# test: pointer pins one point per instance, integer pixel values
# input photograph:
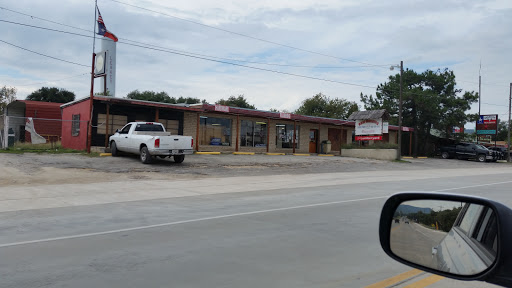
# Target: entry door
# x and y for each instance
(313, 139)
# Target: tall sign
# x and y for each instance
(109, 46)
(487, 125)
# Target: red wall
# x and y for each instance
(49, 129)
(75, 142)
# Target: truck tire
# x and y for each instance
(445, 155)
(113, 149)
(179, 158)
(145, 157)
(480, 158)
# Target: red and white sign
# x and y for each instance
(221, 108)
(369, 127)
(406, 129)
(364, 138)
(489, 119)
(285, 115)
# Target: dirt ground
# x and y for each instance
(41, 169)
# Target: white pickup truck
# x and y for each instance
(149, 139)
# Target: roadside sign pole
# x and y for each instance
(509, 106)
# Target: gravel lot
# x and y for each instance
(33, 169)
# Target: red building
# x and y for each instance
(46, 117)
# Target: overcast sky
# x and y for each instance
(350, 34)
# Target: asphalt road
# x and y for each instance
(315, 236)
(414, 243)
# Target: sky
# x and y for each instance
(351, 45)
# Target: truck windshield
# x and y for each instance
(149, 127)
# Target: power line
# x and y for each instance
(248, 36)
(186, 55)
(250, 67)
(221, 58)
(41, 54)
(56, 80)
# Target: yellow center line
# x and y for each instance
(395, 279)
(425, 281)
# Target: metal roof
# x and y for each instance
(370, 114)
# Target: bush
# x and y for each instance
(377, 145)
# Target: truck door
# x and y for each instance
(122, 140)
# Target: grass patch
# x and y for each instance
(46, 148)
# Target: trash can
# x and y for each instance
(325, 147)
(10, 138)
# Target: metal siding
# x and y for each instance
(75, 142)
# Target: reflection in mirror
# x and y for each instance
(455, 237)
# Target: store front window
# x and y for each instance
(215, 131)
(253, 134)
(284, 136)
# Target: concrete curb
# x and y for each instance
(207, 153)
(325, 155)
(298, 154)
(275, 154)
(105, 154)
(243, 153)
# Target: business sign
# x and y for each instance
(385, 127)
(484, 138)
(364, 138)
(285, 115)
(369, 127)
(221, 108)
(487, 124)
(456, 130)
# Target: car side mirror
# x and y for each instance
(457, 236)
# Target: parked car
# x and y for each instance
(468, 151)
(501, 152)
(149, 139)
(397, 220)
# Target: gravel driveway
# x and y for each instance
(30, 169)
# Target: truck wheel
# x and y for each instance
(145, 157)
(179, 158)
(481, 158)
(445, 155)
(113, 149)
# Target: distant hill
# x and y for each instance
(408, 209)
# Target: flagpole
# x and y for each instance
(89, 123)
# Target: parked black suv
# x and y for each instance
(501, 152)
(468, 151)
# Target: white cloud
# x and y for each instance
(425, 34)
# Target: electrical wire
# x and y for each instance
(182, 54)
(248, 36)
(56, 80)
(41, 54)
(221, 58)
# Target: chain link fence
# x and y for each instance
(33, 134)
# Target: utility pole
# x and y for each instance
(399, 152)
(509, 106)
(479, 96)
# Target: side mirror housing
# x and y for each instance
(456, 236)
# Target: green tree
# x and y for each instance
(233, 101)
(52, 94)
(430, 100)
(323, 106)
(7, 95)
(160, 97)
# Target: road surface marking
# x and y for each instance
(185, 222)
(425, 282)
(396, 279)
(481, 185)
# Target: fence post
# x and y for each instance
(6, 131)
